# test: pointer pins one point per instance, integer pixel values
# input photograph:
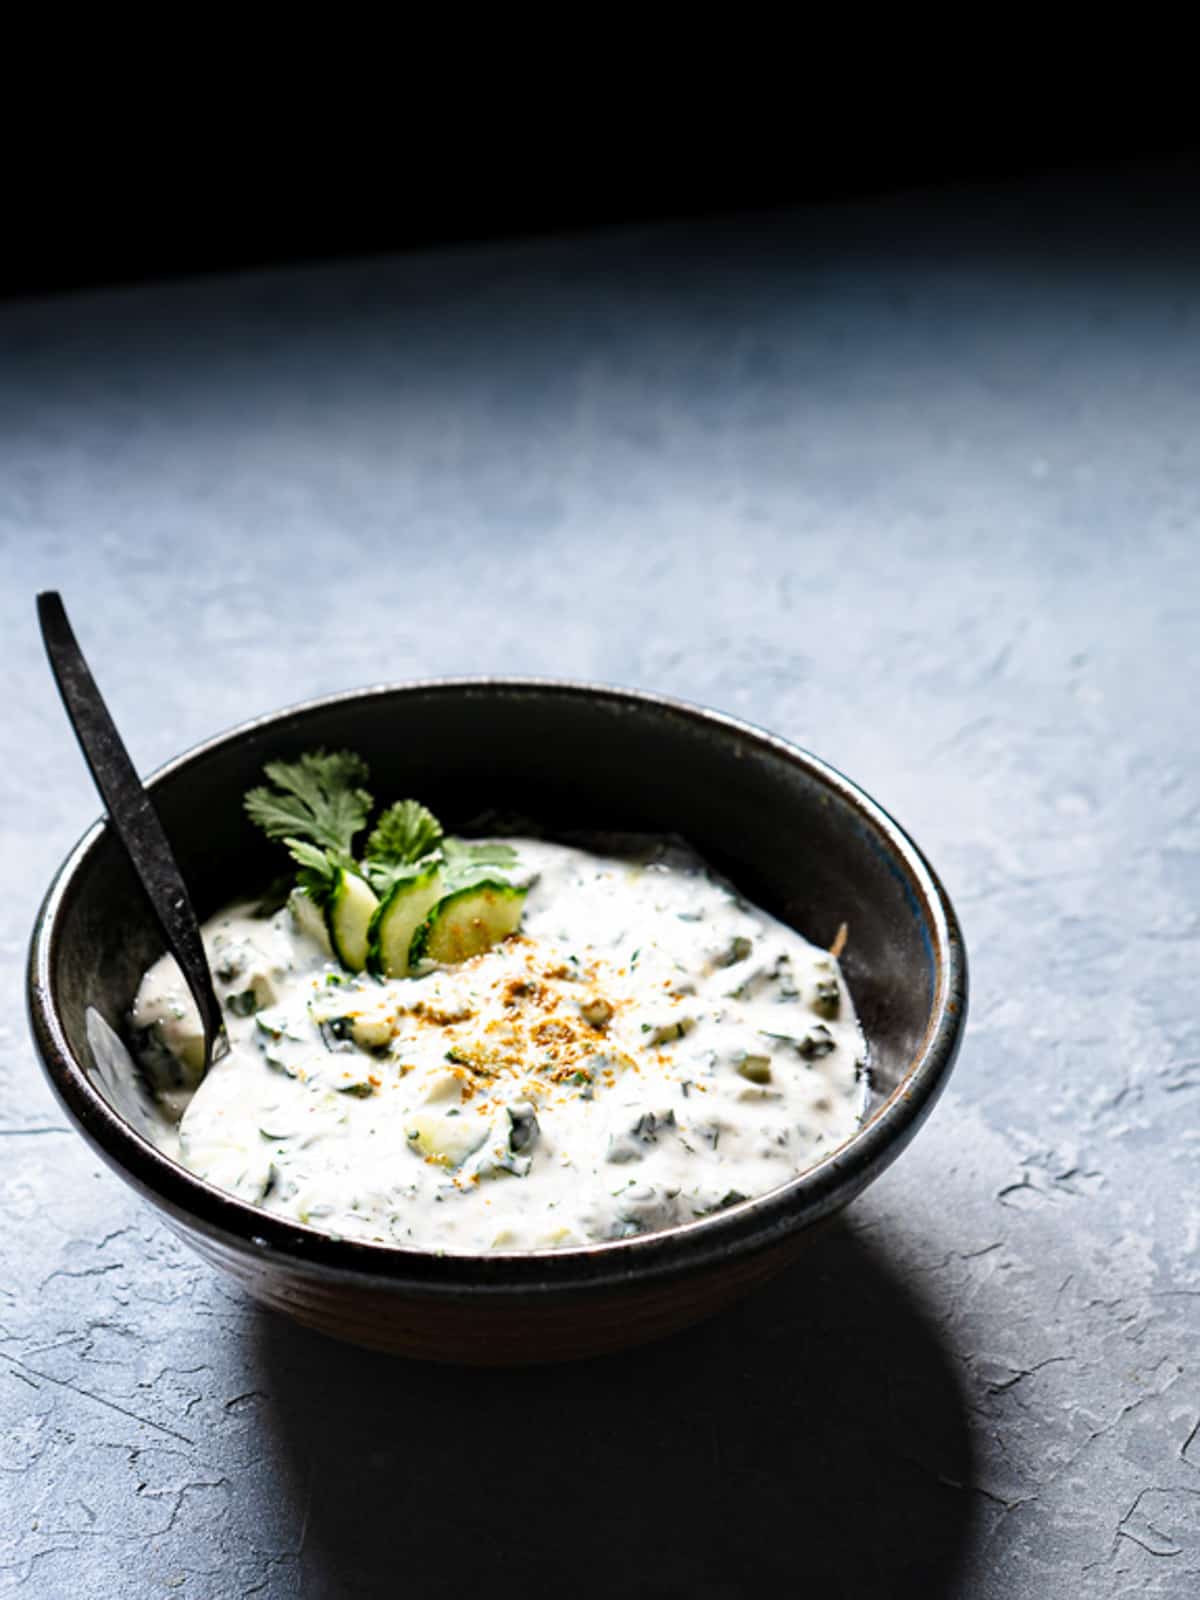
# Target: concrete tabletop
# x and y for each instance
(915, 483)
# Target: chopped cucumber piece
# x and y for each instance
(464, 923)
(401, 912)
(755, 1069)
(348, 916)
(446, 1141)
(372, 1032)
(827, 1000)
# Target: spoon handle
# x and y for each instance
(131, 813)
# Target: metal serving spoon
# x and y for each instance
(132, 815)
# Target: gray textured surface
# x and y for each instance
(917, 485)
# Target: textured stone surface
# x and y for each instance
(917, 485)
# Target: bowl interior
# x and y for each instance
(792, 835)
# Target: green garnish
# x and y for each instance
(402, 838)
(316, 808)
(318, 870)
(318, 798)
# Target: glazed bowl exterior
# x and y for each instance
(793, 834)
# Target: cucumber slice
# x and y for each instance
(348, 916)
(464, 923)
(400, 914)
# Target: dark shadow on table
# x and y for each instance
(811, 1441)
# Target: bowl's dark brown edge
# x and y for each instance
(680, 1252)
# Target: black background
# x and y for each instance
(111, 207)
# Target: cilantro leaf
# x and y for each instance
(402, 845)
(404, 834)
(316, 799)
(318, 870)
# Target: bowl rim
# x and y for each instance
(743, 1229)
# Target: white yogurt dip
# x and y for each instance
(648, 1049)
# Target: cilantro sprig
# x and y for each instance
(316, 807)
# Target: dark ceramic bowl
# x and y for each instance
(793, 834)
